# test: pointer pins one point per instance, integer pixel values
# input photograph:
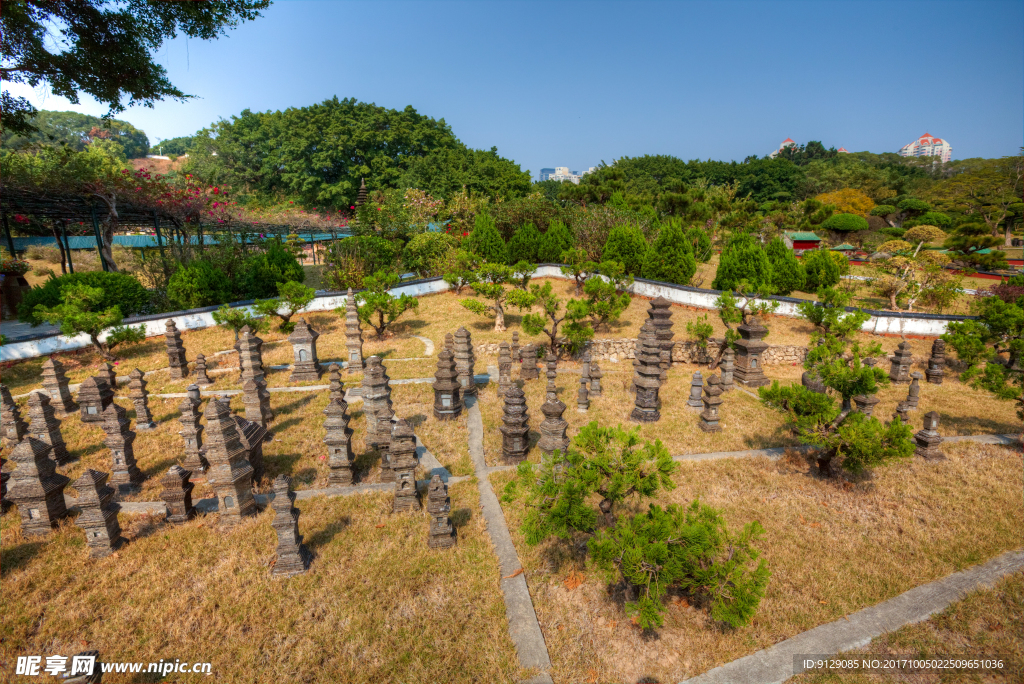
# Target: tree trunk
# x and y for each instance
(825, 465)
(60, 246)
(499, 316)
(102, 348)
(606, 512)
(1008, 238)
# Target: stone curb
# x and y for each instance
(777, 663)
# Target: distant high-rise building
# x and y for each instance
(562, 173)
(928, 146)
(545, 174)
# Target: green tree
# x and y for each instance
(628, 246)
(464, 271)
(275, 264)
(552, 316)
(845, 223)
(987, 189)
(787, 272)
(77, 131)
(578, 267)
(234, 319)
(733, 309)
(79, 313)
(491, 281)
(606, 295)
(820, 269)
(119, 289)
(292, 298)
(198, 284)
(103, 49)
(556, 240)
(447, 171)
(178, 146)
(485, 240)
(425, 252)
(670, 257)
(829, 313)
(524, 245)
(743, 260)
(972, 245)
(376, 301)
(700, 243)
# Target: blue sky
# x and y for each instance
(558, 83)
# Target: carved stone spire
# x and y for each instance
(14, 428)
(293, 557)
(442, 533)
(175, 351)
(56, 383)
(448, 402)
(553, 428)
(339, 443)
(94, 396)
(305, 365)
(202, 379)
(403, 463)
(36, 487)
(353, 335)
(515, 429)
(230, 474)
(464, 361)
(192, 432)
(99, 514)
(140, 397)
(177, 494)
(44, 426)
(126, 475)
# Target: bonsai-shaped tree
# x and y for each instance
(377, 302)
(293, 298)
(733, 309)
(971, 244)
(910, 274)
(552, 315)
(491, 284)
(236, 319)
(606, 295)
(77, 315)
(992, 346)
(522, 272)
(578, 267)
(829, 315)
(464, 273)
(689, 548)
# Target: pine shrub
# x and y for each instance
(743, 260)
(821, 269)
(556, 239)
(787, 273)
(485, 240)
(524, 245)
(670, 258)
(626, 245)
(198, 284)
(122, 290)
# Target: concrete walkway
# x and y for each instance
(780, 662)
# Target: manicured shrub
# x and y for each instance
(787, 272)
(845, 223)
(820, 268)
(198, 284)
(884, 210)
(556, 239)
(914, 206)
(425, 251)
(119, 289)
(486, 241)
(262, 272)
(670, 258)
(700, 242)
(743, 259)
(626, 245)
(841, 261)
(930, 218)
(524, 245)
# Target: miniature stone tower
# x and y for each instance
(504, 368)
(56, 383)
(252, 435)
(899, 371)
(660, 313)
(553, 428)
(306, 365)
(14, 428)
(230, 473)
(202, 379)
(256, 398)
(442, 533)
(140, 397)
(378, 411)
(36, 487)
(177, 494)
(464, 360)
(749, 349)
(515, 431)
(929, 440)
(94, 396)
(293, 558)
(914, 391)
(353, 335)
(44, 426)
(339, 443)
(175, 351)
(728, 367)
(250, 356)
(709, 418)
(648, 383)
(447, 390)
(516, 357)
(99, 514)
(696, 386)
(937, 362)
(106, 374)
(403, 463)
(529, 369)
(192, 432)
(595, 380)
(126, 476)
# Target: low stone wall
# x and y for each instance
(682, 352)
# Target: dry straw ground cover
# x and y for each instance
(833, 547)
(376, 605)
(986, 623)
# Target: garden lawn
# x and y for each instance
(833, 547)
(376, 605)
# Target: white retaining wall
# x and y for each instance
(908, 324)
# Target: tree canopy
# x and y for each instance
(77, 131)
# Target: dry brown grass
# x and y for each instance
(986, 623)
(377, 604)
(832, 548)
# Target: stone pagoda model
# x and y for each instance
(14, 428)
(914, 391)
(339, 443)
(515, 430)
(4, 477)
(99, 514)
(230, 474)
(504, 368)
(36, 487)
(647, 334)
(94, 396)
(929, 440)
(749, 349)
(403, 464)
(192, 432)
(583, 396)
(529, 370)
(44, 426)
(727, 367)
(696, 387)
(336, 388)
(56, 384)
(252, 435)
(937, 363)
(250, 356)
(175, 351)
(660, 313)
(596, 374)
(353, 335)
(379, 412)
(709, 418)
(447, 390)
(648, 383)
(202, 379)
(553, 428)
(177, 494)
(899, 371)
(140, 397)
(126, 475)
(107, 375)
(449, 343)
(306, 365)
(442, 533)
(464, 362)
(293, 558)
(516, 357)
(585, 362)
(256, 398)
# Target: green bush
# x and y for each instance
(914, 206)
(485, 240)
(930, 218)
(426, 250)
(262, 272)
(626, 245)
(556, 239)
(119, 289)
(845, 223)
(670, 258)
(700, 241)
(743, 260)
(787, 272)
(198, 284)
(524, 245)
(821, 269)
(883, 210)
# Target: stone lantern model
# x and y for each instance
(447, 390)
(749, 349)
(515, 431)
(94, 396)
(306, 365)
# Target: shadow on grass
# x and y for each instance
(291, 407)
(323, 537)
(365, 462)
(408, 325)
(460, 517)
(416, 420)
(78, 454)
(968, 425)
(18, 556)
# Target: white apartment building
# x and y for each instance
(562, 173)
(788, 142)
(928, 146)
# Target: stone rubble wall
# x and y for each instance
(682, 352)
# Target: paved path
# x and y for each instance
(780, 662)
